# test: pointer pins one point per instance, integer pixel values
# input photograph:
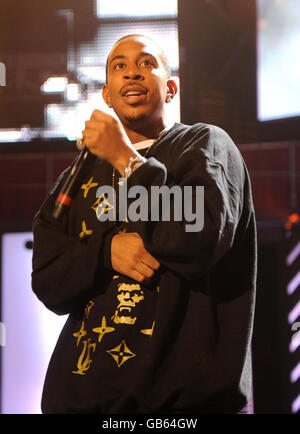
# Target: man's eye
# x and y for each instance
(146, 63)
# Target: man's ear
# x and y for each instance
(105, 95)
(171, 90)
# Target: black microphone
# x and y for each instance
(72, 183)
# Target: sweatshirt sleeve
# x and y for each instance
(66, 270)
(208, 159)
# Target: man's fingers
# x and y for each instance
(97, 114)
(129, 257)
(146, 257)
(91, 124)
(144, 270)
(136, 275)
(134, 234)
(150, 261)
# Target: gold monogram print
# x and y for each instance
(85, 360)
(88, 186)
(80, 334)
(129, 295)
(85, 231)
(103, 329)
(88, 308)
(121, 353)
(102, 206)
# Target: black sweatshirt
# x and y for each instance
(180, 343)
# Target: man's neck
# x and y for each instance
(139, 135)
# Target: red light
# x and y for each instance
(292, 219)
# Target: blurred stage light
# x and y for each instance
(296, 405)
(294, 253)
(54, 85)
(136, 8)
(72, 92)
(70, 98)
(292, 262)
(10, 135)
(278, 64)
(294, 313)
(295, 374)
(295, 343)
(293, 284)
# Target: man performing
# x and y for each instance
(160, 318)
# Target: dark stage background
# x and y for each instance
(217, 69)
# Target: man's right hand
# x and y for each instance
(129, 257)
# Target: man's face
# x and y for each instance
(137, 82)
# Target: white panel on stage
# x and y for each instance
(278, 61)
(29, 330)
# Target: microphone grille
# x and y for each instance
(80, 144)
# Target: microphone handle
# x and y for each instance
(72, 183)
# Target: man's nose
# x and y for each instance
(133, 74)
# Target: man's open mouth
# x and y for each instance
(133, 90)
(133, 94)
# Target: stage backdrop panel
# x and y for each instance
(31, 330)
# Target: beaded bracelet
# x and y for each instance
(133, 164)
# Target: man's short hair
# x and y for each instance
(164, 58)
